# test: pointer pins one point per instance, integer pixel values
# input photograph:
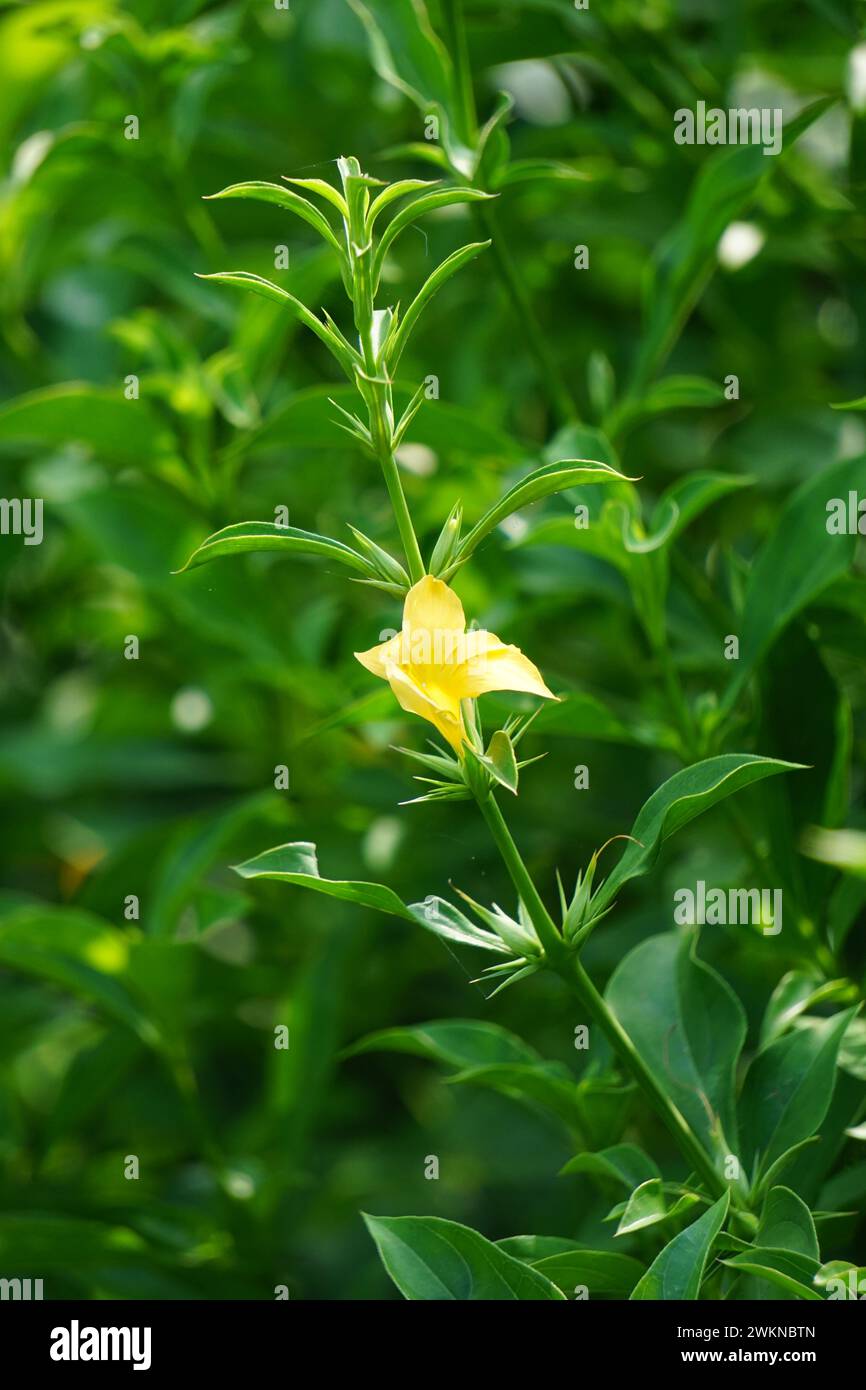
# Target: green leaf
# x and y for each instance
(545, 170)
(324, 189)
(82, 954)
(793, 1273)
(796, 993)
(246, 537)
(624, 1165)
(541, 482)
(401, 189)
(787, 1090)
(114, 429)
(289, 201)
(418, 207)
(794, 566)
(786, 1224)
(784, 1161)
(690, 496)
(486, 1055)
(399, 335)
(256, 284)
(840, 1279)
(679, 800)
(501, 761)
(447, 921)
(408, 54)
(689, 1026)
(546, 1085)
(306, 421)
(648, 1206)
(852, 1049)
(531, 1249)
(55, 1243)
(432, 1259)
(844, 849)
(687, 257)
(678, 1271)
(456, 1042)
(296, 863)
(644, 1207)
(670, 393)
(602, 1273)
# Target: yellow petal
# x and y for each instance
(431, 605)
(492, 665)
(378, 659)
(441, 711)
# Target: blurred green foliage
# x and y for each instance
(149, 777)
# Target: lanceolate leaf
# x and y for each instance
(401, 189)
(692, 495)
(406, 50)
(600, 1273)
(486, 1055)
(678, 1271)
(324, 189)
(786, 1224)
(499, 760)
(256, 284)
(687, 256)
(679, 800)
(690, 1026)
(432, 1259)
(792, 1273)
(623, 1166)
(419, 207)
(459, 1042)
(544, 1085)
(249, 536)
(644, 1207)
(116, 430)
(400, 335)
(284, 198)
(798, 561)
(447, 921)
(297, 863)
(788, 1089)
(542, 482)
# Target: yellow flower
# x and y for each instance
(433, 663)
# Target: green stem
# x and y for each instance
(455, 39)
(401, 514)
(561, 398)
(571, 970)
(554, 946)
(566, 964)
(377, 397)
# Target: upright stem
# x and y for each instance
(554, 946)
(376, 395)
(572, 971)
(401, 514)
(566, 964)
(455, 39)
